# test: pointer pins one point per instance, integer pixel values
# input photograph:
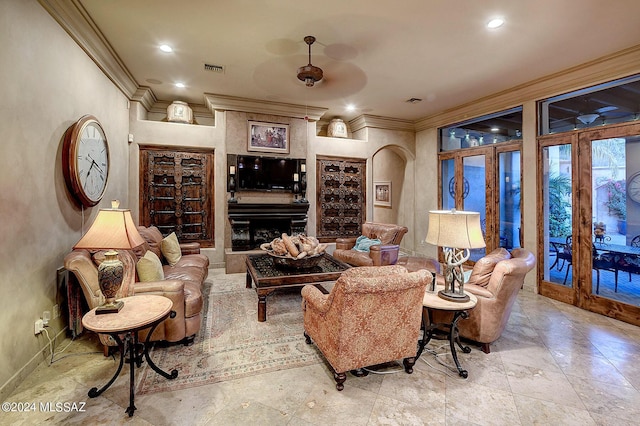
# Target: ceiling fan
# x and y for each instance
(587, 119)
(310, 74)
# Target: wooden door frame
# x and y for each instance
(579, 294)
(546, 288)
(586, 299)
(492, 201)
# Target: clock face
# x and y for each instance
(86, 160)
(633, 187)
(92, 161)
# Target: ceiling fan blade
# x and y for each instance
(606, 109)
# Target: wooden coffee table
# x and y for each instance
(268, 277)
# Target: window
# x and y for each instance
(503, 126)
(607, 103)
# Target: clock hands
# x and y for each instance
(93, 162)
(90, 183)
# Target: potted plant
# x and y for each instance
(617, 201)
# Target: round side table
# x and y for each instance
(432, 301)
(138, 313)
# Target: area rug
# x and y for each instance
(232, 343)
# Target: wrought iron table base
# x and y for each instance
(453, 336)
(130, 344)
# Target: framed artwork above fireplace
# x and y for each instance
(268, 137)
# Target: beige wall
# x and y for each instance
(616, 66)
(161, 133)
(47, 83)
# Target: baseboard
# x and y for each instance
(43, 354)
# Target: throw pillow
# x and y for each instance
(149, 268)
(363, 243)
(482, 270)
(171, 249)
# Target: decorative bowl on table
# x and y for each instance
(295, 252)
(289, 262)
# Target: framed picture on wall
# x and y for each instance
(268, 137)
(382, 193)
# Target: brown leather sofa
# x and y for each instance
(372, 315)
(385, 253)
(495, 280)
(182, 284)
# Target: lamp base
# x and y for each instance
(110, 308)
(453, 297)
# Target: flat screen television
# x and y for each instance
(265, 173)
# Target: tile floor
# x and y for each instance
(554, 364)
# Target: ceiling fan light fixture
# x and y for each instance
(309, 73)
(587, 119)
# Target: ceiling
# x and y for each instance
(375, 54)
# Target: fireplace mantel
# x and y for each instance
(253, 224)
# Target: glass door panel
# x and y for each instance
(509, 199)
(474, 193)
(615, 230)
(556, 206)
(448, 184)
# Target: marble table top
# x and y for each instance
(433, 301)
(138, 312)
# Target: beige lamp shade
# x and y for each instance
(456, 229)
(112, 229)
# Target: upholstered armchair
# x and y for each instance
(495, 280)
(385, 253)
(187, 301)
(372, 315)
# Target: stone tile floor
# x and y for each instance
(554, 364)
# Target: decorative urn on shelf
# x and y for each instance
(337, 129)
(179, 112)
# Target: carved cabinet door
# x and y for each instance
(176, 193)
(341, 197)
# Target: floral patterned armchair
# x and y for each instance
(372, 315)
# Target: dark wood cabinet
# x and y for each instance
(176, 193)
(341, 199)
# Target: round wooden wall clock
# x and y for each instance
(633, 187)
(85, 160)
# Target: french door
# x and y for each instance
(588, 254)
(486, 180)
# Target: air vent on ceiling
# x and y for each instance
(214, 68)
(414, 100)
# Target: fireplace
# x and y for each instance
(254, 224)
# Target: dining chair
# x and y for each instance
(566, 255)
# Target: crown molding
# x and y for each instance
(378, 122)
(145, 96)
(611, 67)
(231, 103)
(75, 20)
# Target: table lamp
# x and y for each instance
(456, 232)
(112, 230)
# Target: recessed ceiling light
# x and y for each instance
(495, 23)
(495, 129)
(351, 107)
(166, 48)
(180, 85)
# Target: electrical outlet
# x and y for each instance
(39, 326)
(56, 311)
